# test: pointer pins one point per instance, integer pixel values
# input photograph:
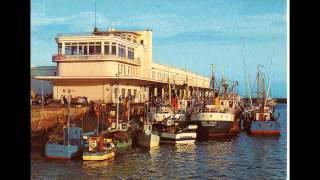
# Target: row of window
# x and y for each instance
(129, 38)
(160, 76)
(94, 48)
(127, 70)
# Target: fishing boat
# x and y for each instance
(72, 143)
(158, 112)
(262, 118)
(120, 135)
(148, 138)
(211, 121)
(177, 132)
(119, 130)
(216, 118)
(99, 149)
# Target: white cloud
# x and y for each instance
(83, 21)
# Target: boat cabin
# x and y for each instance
(96, 143)
(263, 116)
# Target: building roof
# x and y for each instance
(43, 67)
(138, 80)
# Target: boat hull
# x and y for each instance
(213, 128)
(265, 128)
(212, 124)
(151, 140)
(123, 144)
(98, 156)
(58, 151)
(178, 138)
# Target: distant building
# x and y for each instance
(96, 64)
(37, 85)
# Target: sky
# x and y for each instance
(186, 33)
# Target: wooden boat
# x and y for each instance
(148, 138)
(99, 149)
(72, 144)
(69, 149)
(120, 136)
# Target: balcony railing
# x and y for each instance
(58, 57)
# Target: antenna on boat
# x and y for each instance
(212, 81)
(269, 83)
(68, 125)
(246, 73)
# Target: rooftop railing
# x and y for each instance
(75, 34)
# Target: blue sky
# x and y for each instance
(186, 33)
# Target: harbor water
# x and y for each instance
(240, 157)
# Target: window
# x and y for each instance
(94, 48)
(122, 50)
(123, 36)
(130, 53)
(128, 37)
(135, 93)
(153, 75)
(123, 92)
(59, 48)
(74, 50)
(134, 39)
(106, 48)
(124, 69)
(114, 49)
(129, 92)
(129, 68)
(83, 48)
(67, 50)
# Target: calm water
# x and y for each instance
(242, 157)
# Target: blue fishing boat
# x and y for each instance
(72, 143)
(262, 118)
(70, 148)
(265, 122)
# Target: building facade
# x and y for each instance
(103, 63)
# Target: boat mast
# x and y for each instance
(68, 125)
(129, 98)
(212, 81)
(169, 84)
(98, 120)
(269, 83)
(246, 75)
